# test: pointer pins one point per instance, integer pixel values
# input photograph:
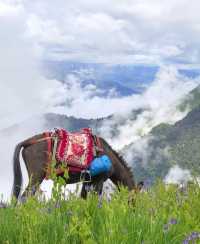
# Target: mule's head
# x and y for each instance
(133, 193)
(139, 186)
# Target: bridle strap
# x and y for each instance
(55, 139)
(41, 139)
(98, 145)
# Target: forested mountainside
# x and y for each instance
(168, 145)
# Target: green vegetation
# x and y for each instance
(170, 145)
(191, 101)
(160, 215)
(161, 130)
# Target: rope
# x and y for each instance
(55, 138)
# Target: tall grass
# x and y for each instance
(160, 215)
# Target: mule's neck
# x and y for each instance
(122, 176)
(120, 173)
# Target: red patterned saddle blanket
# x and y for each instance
(75, 149)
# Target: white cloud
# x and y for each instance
(140, 149)
(87, 103)
(159, 105)
(112, 31)
(115, 31)
(10, 9)
(176, 175)
(24, 92)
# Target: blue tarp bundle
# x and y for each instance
(100, 165)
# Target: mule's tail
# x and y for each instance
(17, 171)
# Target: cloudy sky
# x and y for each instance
(111, 31)
(129, 31)
(116, 31)
(165, 33)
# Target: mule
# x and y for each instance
(36, 159)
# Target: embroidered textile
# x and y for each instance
(75, 149)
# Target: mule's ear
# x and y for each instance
(140, 185)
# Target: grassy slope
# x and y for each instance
(157, 216)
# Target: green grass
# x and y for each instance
(146, 220)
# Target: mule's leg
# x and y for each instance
(34, 157)
(33, 186)
(98, 187)
(97, 183)
(85, 189)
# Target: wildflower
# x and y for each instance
(193, 236)
(166, 227)
(173, 221)
(147, 184)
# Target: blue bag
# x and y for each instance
(100, 165)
